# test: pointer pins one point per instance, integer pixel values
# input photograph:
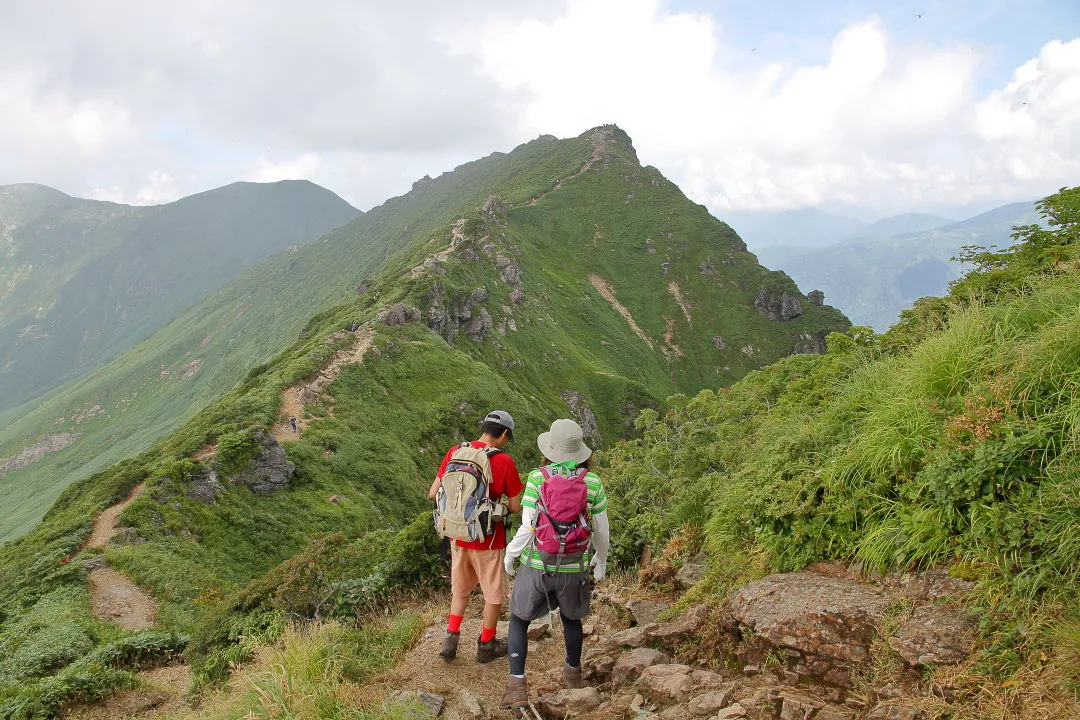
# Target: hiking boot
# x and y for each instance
(572, 677)
(490, 650)
(517, 693)
(449, 646)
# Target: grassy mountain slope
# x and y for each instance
(489, 305)
(83, 280)
(953, 440)
(872, 282)
(623, 229)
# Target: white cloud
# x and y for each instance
(303, 167)
(366, 97)
(876, 124)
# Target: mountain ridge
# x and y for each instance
(86, 279)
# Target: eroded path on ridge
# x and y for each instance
(113, 596)
(292, 398)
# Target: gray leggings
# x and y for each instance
(518, 642)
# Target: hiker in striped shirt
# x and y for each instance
(563, 533)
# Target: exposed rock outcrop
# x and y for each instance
(44, 445)
(824, 624)
(397, 314)
(816, 297)
(809, 344)
(269, 471)
(778, 307)
(935, 635)
(582, 413)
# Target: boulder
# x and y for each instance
(479, 327)
(711, 702)
(597, 666)
(729, 713)
(515, 297)
(204, 486)
(635, 637)
(539, 630)
(269, 471)
(479, 295)
(646, 611)
(935, 635)
(397, 314)
(570, 702)
(829, 622)
(691, 572)
(815, 297)
(629, 666)
(666, 683)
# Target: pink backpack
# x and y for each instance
(561, 528)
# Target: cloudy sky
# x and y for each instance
(896, 106)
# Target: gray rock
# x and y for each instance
(269, 471)
(570, 702)
(461, 310)
(692, 571)
(828, 621)
(646, 611)
(597, 666)
(816, 297)
(584, 415)
(778, 307)
(795, 706)
(204, 486)
(718, 342)
(630, 664)
(935, 635)
(666, 682)
(471, 706)
(635, 637)
(711, 702)
(515, 296)
(479, 327)
(396, 314)
(808, 343)
(729, 713)
(539, 630)
(479, 295)
(431, 703)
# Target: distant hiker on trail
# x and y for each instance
(468, 492)
(564, 531)
(292, 422)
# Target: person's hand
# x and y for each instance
(508, 563)
(599, 569)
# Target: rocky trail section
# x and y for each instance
(813, 645)
(113, 596)
(295, 399)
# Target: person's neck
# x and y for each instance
(488, 440)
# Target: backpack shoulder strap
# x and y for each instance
(492, 451)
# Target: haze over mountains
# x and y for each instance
(873, 271)
(82, 280)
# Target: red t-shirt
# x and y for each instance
(504, 481)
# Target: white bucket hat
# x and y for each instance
(563, 442)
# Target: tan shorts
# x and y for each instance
(469, 567)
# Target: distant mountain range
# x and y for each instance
(83, 280)
(881, 269)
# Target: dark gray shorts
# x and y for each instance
(536, 592)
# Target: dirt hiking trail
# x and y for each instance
(162, 695)
(113, 597)
(293, 399)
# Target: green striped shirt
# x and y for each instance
(597, 504)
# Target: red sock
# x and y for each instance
(455, 623)
(487, 635)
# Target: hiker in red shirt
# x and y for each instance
(481, 560)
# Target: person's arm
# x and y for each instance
(438, 476)
(601, 538)
(514, 504)
(434, 488)
(523, 535)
